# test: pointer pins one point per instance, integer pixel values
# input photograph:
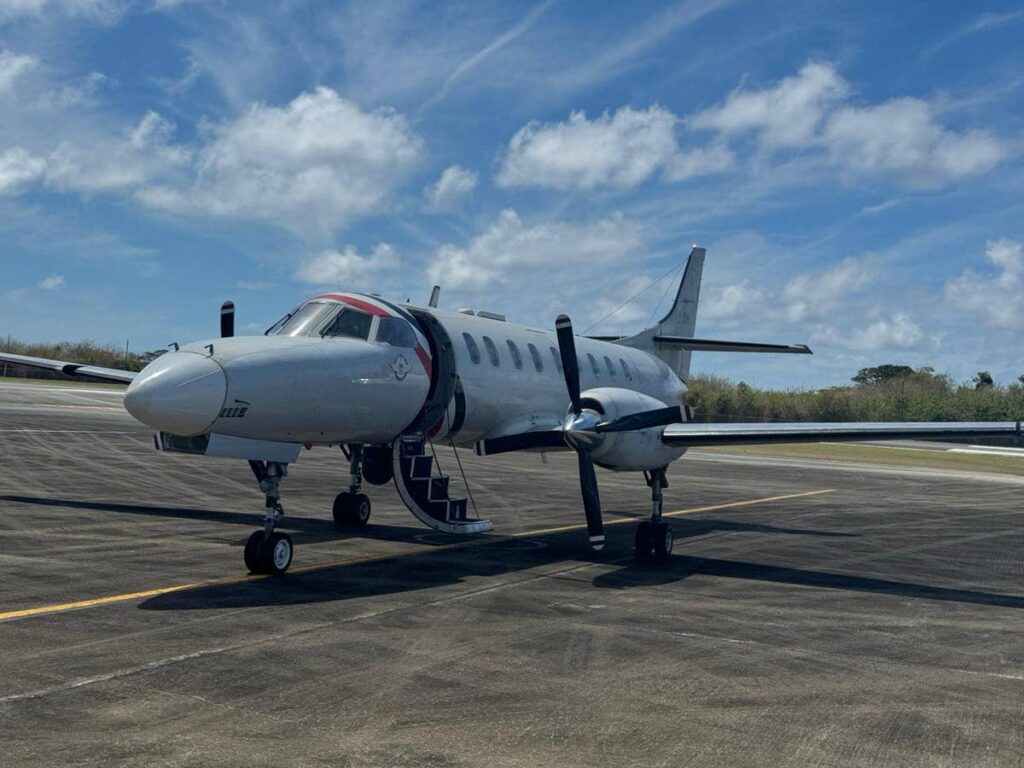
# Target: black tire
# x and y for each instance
(663, 541)
(275, 553)
(377, 466)
(644, 539)
(252, 550)
(351, 510)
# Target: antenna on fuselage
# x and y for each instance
(435, 294)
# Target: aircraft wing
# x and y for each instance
(71, 369)
(815, 432)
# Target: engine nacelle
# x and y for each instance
(627, 451)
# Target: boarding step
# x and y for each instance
(426, 493)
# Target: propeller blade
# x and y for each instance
(591, 500)
(227, 319)
(659, 417)
(570, 366)
(552, 438)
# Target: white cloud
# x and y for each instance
(17, 169)
(808, 112)
(738, 301)
(511, 250)
(97, 10)
(788, 114)
(897, 331)
(52, 282)
(318, 160)
(618, 150)
(349, 269)
(998, 299)
(901, 136)
(815, 295)
(455, 183)
(13, 66)
(144, 153)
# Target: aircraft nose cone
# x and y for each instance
(179, 392)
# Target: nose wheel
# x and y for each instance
(269, 551)
(654, 537)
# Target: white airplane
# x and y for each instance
(385, 380)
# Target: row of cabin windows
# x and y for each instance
(538, 362)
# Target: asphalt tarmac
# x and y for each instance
(812, 614)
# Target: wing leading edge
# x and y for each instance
(70, 369)
(815, 432)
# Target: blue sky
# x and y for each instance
(854, 169)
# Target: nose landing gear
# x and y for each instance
(269, 551)
(352, 508)
(654, 536)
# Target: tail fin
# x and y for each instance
(681, 319)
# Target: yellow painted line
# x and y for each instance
(228, 580)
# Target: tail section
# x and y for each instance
(681, 320)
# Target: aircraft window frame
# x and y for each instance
(351, 312)
(517, 357)
(472, 348)
(538, 363)
(309, 323)
(625, 369)
(610, 366)
(558, 359)
(492, 351)
(594, 366)
(402, 328)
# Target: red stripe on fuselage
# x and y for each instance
(366, 306)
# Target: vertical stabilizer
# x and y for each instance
(681, 319)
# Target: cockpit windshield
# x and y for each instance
(350, 323)
(396, 332)
(304, 320)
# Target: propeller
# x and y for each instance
(576, 428)
(227, 319)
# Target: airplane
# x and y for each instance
(386, 380)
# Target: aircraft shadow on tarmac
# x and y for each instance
(497, 556)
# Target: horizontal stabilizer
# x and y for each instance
(818, 432)
(70, 369)
(713, 345)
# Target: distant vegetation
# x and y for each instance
(86, 352)
(883, 393)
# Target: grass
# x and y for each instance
(880, 454)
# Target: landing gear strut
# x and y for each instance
(352, 508)
(654, 536)
(267, 550)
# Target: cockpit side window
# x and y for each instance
(350, 323)
(306, 319)
(396, 332)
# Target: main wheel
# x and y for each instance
(351, 510)
(644, 539)
(252, 550)
(662, 540)
(275, 553)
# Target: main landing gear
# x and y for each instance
(269, 551)
(352, 508)
(654, 536)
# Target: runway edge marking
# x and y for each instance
(24, 613)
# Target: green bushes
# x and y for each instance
(919, 396)
(85, 352)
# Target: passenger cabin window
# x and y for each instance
(610, 366)
(557, 359)
(517, 359)
(492, 351)
(350, 323)
(625, 370)
(474, 350)
(307, 318)
(396, 332)
(593, 365)
(537, 362)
